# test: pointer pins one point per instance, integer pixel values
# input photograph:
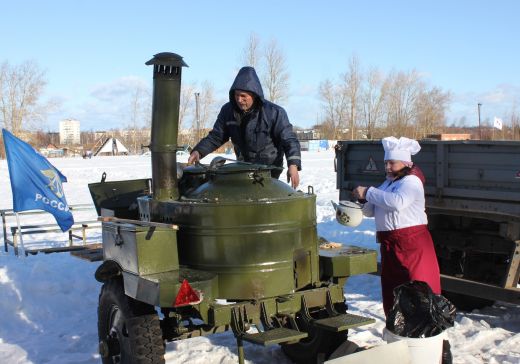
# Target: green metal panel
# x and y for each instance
(343, 322)
(347, 261)
(139, 249)
(119, 196)
(302, 268)
(275, 336)
(161, 289)
(316, 298)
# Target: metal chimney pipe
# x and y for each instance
(167, 70)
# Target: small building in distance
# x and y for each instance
(51, 151)
(69, 132)
(449, 136)
(111, 146)
(309, 134)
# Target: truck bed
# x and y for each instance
(472, 176)
(473, 205)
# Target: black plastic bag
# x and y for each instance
(418, 312)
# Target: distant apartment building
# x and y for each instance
(69, 132)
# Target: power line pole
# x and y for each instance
(197, 116)
(479, 128)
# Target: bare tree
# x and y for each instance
(399, 104)
(431, 106)
(147, 109)
(251, 52)
(270, 64)
(328, 96)
(404, 89)
(372, 99)
(205, 110)
(276, 78)
(139, 99)
(21, 87)
(351, 89)
(335, 108)
(342, 102)
(186, 103)
(514, 119)
(207, 104)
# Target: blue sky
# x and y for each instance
(94, 51)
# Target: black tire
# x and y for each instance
(467, 303)
(318, 343)
(129, 331)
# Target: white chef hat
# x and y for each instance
(400, 149)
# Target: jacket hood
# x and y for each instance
(246, 80)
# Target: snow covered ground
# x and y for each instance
(48, 302)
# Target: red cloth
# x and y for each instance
(407, 254)
(416, 171)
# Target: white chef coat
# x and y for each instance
(396, 204)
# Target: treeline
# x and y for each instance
(360, 103)
(369, 104)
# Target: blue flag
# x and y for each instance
(36, 184)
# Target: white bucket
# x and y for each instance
(426, 350)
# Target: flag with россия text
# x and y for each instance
(35, 182)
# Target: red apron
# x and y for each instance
(407, 254)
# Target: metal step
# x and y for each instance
(275, 336)
(342, 322)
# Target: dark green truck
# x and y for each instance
(473, 206)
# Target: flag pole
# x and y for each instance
(20, 232)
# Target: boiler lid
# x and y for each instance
(241, 182)
(239, 167)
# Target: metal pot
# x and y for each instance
(348, 213)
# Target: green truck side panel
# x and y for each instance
(471, 175)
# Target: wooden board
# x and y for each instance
(92, 253)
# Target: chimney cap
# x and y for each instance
(167, 59)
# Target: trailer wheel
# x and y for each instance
(319, 343)
(129, 331)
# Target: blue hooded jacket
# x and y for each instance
(261, 136)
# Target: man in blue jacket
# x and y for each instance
(259, 130)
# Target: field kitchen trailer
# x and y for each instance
(202, 249)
